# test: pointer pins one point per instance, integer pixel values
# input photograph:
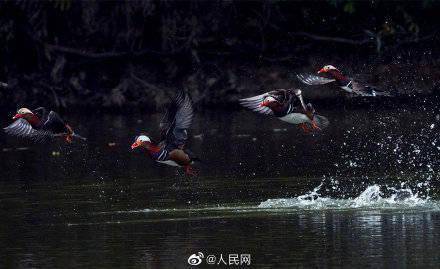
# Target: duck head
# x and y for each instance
(23, 113)
(141, 141)
(327, 69)
(269, 101)
(332, 72)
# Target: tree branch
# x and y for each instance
(332, 39)
(416, 40)
(146, 84)
(100, 55)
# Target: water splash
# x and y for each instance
(327, 196)
(373, 197)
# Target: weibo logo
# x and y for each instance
(195, 259)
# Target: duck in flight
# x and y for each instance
(173, 128)
(287, 105)
(329, 74)
(39, 125)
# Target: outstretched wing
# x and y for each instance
(176, 120)
(313, 80)
(54, 123)
(253, 103)
(22, 128)
(41, 113)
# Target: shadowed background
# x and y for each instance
(132, 54)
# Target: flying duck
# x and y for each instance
(287, 105)
(40, 126)
(173, 128)
(329, 74)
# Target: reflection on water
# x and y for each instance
(362, 193)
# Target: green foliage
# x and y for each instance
(349, 7)
(62, 5)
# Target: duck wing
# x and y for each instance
(253, 103)
(313, 80)
(176, 120)
(41, 113)
(22, 128)
(55, 124)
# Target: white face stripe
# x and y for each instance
(143, 138)
(269, 99)
(24, 111)
(329, 67)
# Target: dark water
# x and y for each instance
(362, 193)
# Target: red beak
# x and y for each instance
(264, 103)
(135, 145)
(321, 71)
(17, 116)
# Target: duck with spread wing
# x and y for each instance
(173, 126)
(39, 125)
(332, 75)
(287, 105)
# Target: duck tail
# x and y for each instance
(321, 121)
(75, 135)
(373, 91)
(194, 158)
(377, 93)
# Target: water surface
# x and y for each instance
(361, 193)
